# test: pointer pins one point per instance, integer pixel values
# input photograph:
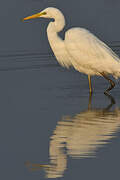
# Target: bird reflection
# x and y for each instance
(79, 137)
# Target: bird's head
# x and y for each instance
(50, 13)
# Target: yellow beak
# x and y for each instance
(34, 16)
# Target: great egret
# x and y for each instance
(80, 48)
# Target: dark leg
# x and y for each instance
(112, 100)
(112, 84)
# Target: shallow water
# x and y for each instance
(50, 127)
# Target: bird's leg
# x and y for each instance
(90, 101)
(90, 85)
(112, 100)
(112, 84)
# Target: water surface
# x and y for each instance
(50, 128)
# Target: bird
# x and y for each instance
(80, 49)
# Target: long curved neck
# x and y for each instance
(56, 43)
(54, 39)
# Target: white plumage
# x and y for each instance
(80, 48)
(91, 56)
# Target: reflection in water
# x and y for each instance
(79, 137)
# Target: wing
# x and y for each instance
(89, 52)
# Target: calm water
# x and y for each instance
(50, 127)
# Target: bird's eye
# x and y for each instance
(44, 13)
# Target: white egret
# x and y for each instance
(80, 48)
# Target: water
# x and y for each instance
(50, 127)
